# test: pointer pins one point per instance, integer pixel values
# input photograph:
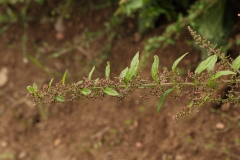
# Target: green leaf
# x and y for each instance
(96, 80)
(133, 5)
(133, 68)
(211, 65)
(123, 73)
(236, 63)
(80, 82)
(107, 71)
(219, 74)
(85, 91)
(130, 73)
(30, 89)
(206, 97)
(35, 87)
(90, 74)
(59, 98)
(191, 104)
(110, 91)
(50, 83)
(155, 68)
(163, 98)
(64, 77)
(206, 64)
(177, 61)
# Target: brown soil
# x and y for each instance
(108, 129)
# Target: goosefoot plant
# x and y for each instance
(201, 86)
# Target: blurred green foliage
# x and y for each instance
(215, 24)
(15, 10)
(149, 11)
(212, 19)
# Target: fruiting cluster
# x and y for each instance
(200, 86)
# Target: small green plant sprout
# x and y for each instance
(33, 89)
(200, 85)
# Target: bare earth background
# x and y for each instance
(103, 130)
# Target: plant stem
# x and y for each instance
(148, 85)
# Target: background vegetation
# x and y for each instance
(41, 39)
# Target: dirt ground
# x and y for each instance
(108, 129)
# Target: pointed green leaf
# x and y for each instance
(206, 97)
(162, 98)
(177, 61)
(133, 68)
(110, 91)
(85, 91)
(80, 82)
(50, 83)
(132, 71)
(30, 89)
(134, 60)
(59, 98)
(191, 104)
(107, 71)
(35, 87)
(236, 63)
(64, 77)
(123, 73)
(209, 64)
(90, 74)
(155, 68)
(219, 74)
(96, 80)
